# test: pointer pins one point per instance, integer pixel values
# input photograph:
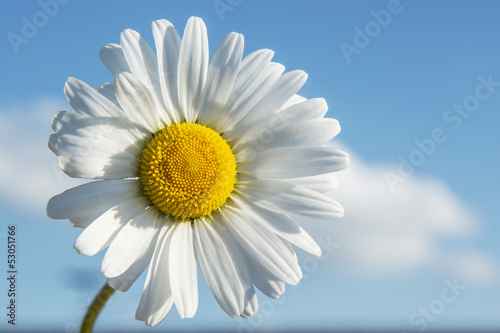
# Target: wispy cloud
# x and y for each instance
(385, 232)
(29, 173)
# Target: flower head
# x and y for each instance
(195, 161)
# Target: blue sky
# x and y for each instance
(399, 247)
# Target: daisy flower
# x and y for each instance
(197, 162)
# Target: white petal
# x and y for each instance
(251, 303)
(242, 263)
(293, 162)
(218, 268)
(157, 300)
(271, 287)
(112, 57)
(250, 272)
(320, 183)
(168, 45)
(263, 246)
(80, 125)
(252, 82)
(87, 101)
(97, 168)
(104, 229)
(124, 281)
(288, 198)
(84, 200)
(251, 66)
(193, 67)
(281, 225)
(309, 133)
(182, 267)
(106, 89)
(140, 56)
(295, 99)
(290, 248)
(85, 221)
(222, 72)
(244, 99)
(143, 65)
(298, 113)
(135, 239)
(286, 86)
(137, 101)
(101, 146)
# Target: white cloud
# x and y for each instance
(29, 173)
(385, 232)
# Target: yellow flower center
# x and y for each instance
(187, 170)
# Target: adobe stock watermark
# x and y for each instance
(454, 117)
(31, 25)
(267, 307)
(223, 6)
(424, 315)
(364, 36)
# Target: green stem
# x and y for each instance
(96, 307)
